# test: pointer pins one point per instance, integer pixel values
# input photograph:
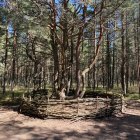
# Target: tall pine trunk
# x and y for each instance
(5, 61)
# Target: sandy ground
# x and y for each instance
(14, 126)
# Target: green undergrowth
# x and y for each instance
(133, 93)
(132, 96)
(7, 98)
(101, 90)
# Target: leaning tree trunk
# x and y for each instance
(83, 73)
(78, 71)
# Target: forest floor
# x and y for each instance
(126, 126)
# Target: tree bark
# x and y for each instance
(94, 59)
(5, 61)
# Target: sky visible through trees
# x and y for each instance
(70, 44)
(73, 60)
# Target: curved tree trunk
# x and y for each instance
(83, 73)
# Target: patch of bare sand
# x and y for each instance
(14, 126)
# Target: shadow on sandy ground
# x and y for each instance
(126, 127)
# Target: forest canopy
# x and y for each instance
(71, 44)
